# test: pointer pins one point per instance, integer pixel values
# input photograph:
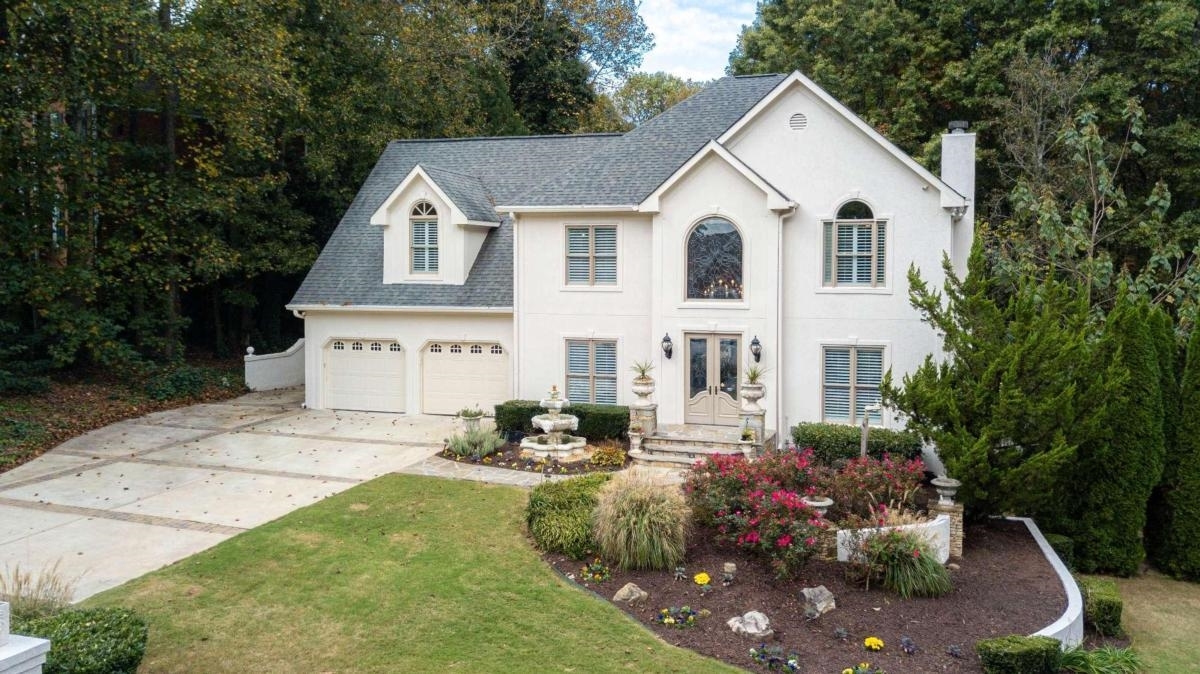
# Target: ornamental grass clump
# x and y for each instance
(640, 523)
(903, 563)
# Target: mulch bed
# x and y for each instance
(1003, 585)
(509, 457)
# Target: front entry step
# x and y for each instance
(684, 445)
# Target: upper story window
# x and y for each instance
(855, 248)
(714, 261)
(423, 225)
(591, 255)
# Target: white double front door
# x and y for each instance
(712, 378)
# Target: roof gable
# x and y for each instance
(776, 200)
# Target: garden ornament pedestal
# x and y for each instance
(821, 504)
(753, 417)
(555, 444)
(947, 488)
(20, 654)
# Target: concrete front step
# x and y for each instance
(675, 460)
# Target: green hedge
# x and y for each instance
(559, 514)
(90, 641)
(837, 442)
(1102, 605)
(596, 422)
(1064, 546)
(1019, 655)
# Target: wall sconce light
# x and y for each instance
(667, 346)
(756, 349)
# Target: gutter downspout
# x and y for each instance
(516, 329)
(781, 428)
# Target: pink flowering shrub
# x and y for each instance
(863, 484)
(758, 506)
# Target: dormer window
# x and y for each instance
(423, 224)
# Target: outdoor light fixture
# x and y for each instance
(756, 349)
(667, 346)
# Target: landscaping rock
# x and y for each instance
(631, 593)
(754, 625)
(952, 566)
(817, 601)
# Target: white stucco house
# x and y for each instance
(760, 212)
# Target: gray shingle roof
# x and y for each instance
(479, 173)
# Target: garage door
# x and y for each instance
(463, 374)
(364, 375)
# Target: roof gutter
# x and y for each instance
(378, 308)
(578, 208)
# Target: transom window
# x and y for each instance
(714, 261)
(591, 255)
(851, 378)
(855, 248)
(591, 371)
(423, 223)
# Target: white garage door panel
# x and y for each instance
(463, 374)
(364, 379)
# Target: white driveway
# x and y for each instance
(137, 495)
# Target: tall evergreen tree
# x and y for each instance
(1168, 362)
(1177, 551)
(1115, 475)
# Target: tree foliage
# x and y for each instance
(1174, 538)
(645, 95)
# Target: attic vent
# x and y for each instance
(798, 122)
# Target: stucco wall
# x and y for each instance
(412, 330)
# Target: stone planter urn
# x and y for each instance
(751, 394)
(643, 387)
(946, 488)
(471, 423)
(821, 504)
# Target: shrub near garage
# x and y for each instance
(91, 641)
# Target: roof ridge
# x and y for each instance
(549, 136)
(452, 171)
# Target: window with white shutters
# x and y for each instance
(592, 371)
(424, 229)
(855, 248)
(592, 255)
(850, 382)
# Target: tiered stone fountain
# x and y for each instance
(555, 444)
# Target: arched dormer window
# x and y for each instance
(423, 226)
(714, 261)
(855, 248)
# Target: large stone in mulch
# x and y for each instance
(817, 601)
(753, 624)
(631, 594)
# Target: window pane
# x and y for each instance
(606, 391)
(418, 233)
(606, 358)
(578, 390)
(837, 404)
(869, 367)
(578, 358)
(432, 263)
(431, 232)
(577, 240)
(729, 367)
(418, 261)
(698, 365)
(606, 271)
(845, 271)
(845, 243)
(837, 366)
(714, 261)
(578, 272)
(862, 239)
(862, 270)
(606, 240)
(854, 210)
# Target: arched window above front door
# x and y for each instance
(714, 261)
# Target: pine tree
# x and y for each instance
(1116, 475)
(1178, 553)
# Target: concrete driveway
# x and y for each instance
(137, 495)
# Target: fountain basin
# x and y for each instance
(555, 423)
(563, 447)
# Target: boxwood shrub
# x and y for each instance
(838, 442)
(90, 641)
(1019, 655)
(596, 422)
(559, 514)
(1102, 605)
(1064, 546)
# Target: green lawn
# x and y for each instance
(400, 574)
(1162, 617)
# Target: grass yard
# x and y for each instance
(402, 574)
(1162, 617)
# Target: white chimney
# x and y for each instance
(958, 171)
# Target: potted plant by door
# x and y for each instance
(643, 383)
(471, 417)
(753, 389)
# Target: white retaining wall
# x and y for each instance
(936, 532)
(269, 371)
(1069, 627)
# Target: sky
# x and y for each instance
(693, 38)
